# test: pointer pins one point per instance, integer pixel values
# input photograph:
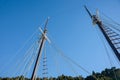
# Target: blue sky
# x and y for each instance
(69, 25)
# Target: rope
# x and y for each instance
(16, 54)
(69, 59)
(55, 59)
(69, 64)
(31, 61)
(111, 19)
(62, 54)
(112, 26)
(24, 59)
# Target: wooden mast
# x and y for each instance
(42, 42)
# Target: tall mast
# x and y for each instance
(101, 27)
(88, 12)
(42, 42)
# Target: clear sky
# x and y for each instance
(69, 25)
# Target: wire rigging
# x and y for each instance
(62, 54)
(4, 66)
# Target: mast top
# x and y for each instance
(45, 31)
(95, 18)
(88, 11)
(45, 28)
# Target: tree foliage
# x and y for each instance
(107, 74)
